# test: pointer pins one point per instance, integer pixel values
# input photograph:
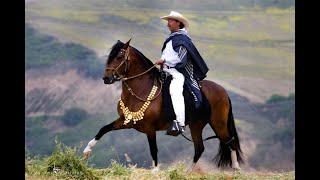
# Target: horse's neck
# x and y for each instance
(139, 86)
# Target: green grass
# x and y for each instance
(67, 163)
(62, 163)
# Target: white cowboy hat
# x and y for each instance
(177, 16)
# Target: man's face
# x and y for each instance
(173, 25)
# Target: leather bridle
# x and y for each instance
(117, 76)
(126, 60)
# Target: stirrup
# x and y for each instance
(175, 129)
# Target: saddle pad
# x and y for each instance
(191, 113)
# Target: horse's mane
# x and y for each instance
(146, 62)
(114, 51)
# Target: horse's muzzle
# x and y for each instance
(108, 80)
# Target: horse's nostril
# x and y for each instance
(107, 80)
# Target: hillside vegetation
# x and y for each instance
(44, 51)
(65, 163)
(250, 51)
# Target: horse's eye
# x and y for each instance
(120, 55)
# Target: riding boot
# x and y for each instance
(175, 129)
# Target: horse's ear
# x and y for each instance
(127, 44)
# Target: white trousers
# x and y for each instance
(176, 93)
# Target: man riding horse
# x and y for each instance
(181, 59)
(141, 102)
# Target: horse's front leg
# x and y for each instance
(115, 125)
(152, 139)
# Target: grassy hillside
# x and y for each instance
(65, 163)
(252, 51)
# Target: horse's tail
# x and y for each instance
(223, 158)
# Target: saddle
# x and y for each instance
(191, 112)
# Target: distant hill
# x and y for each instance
(250, 50)
(45, 51)
(230, 5)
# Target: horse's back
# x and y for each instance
(215, 93)
(212, 88)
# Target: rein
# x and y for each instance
(123, 79)
(134, 94)
(211, 137)
(132, 77)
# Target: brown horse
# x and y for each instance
(140, 107)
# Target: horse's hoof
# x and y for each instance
(236, 166)
(237, 169)
(87, 153)
(155, 170)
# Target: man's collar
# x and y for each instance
(180, 31)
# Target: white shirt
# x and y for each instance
(170, 56)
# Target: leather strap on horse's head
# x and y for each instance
(116, 75)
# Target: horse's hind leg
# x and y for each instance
(115, 125)
(196, 134)
(222, 122)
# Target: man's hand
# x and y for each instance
(160, 61)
